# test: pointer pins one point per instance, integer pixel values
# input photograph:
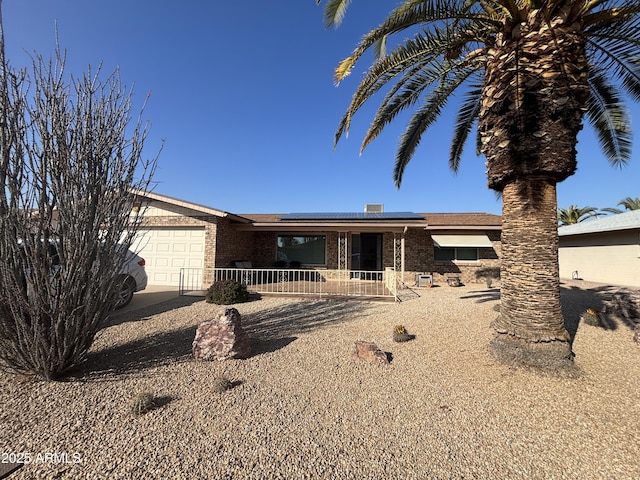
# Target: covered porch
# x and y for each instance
(342, 254)
(350, 283)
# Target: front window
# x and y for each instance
(308, 250)
(452, 254)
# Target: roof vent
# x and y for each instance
(373, 208)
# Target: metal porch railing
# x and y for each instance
(191, 281)
(353, 283)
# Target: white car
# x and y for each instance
(133, 278)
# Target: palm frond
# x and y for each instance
(334, 12)
(465, 120)
(409, 15)
(422, 120)
(612, 13)
(416, 53)
(575, 214)
(404, 94)
(630, 203)
(412, 60)
(380, 47)
(399, 99)
(609, 118)
(408, 90)
(611, 210)
(617, 50)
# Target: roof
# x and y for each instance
(436, 221)
(190, 205)
(621, 221)
(389, 221)
(430, 221)
(396, 220)
(463, 219)
(350, 216)
(488, 219)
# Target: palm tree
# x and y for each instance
(575, 214)
(530, 70)
(628, 204)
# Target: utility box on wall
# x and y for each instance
(423, 280)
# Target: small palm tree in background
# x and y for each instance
(628, 204)
(575, 214)
(529, 71)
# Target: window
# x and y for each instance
(452, 254)
(308, 250)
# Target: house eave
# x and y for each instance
(366, 226)
(203, 209)
(443, 228)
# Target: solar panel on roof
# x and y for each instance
(352, 216)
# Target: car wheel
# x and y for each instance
(124, 292)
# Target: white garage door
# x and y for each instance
(167, 250)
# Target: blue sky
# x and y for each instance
(242, 94)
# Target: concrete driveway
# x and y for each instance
(152, 295)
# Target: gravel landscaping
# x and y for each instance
(301, 407)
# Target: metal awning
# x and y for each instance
(480, 241)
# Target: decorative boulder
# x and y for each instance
(370, 353)
(221, 338)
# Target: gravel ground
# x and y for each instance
(302, 408)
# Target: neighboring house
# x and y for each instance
(606, 250)
(178, 234)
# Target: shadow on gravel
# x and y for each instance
(260, 346)
(277, 327)
(285, 321)
(116, 318)
(483, 296)
(162, 348)
(159, 402)
(270, 330)
(576, 300)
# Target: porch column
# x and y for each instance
(343, 251)
(398, 255)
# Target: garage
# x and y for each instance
(167, 250)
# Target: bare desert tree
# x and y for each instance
(70, 156)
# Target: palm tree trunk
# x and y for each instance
(530, 328)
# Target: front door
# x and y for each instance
(366, 252)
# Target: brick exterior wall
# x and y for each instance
(224, 244)
(332, 250)
(265, 250)
(232, 245)
(419, 252)
(260, 248)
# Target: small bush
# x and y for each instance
(221, 384)
(400, 334)
(591, 317)
(227, 292)
(142, 403)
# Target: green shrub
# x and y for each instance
(221, 384)
(141, 403)
(227, 292)
(400, 334)
(591, 317)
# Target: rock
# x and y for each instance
(370, 353)
(222, 337)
